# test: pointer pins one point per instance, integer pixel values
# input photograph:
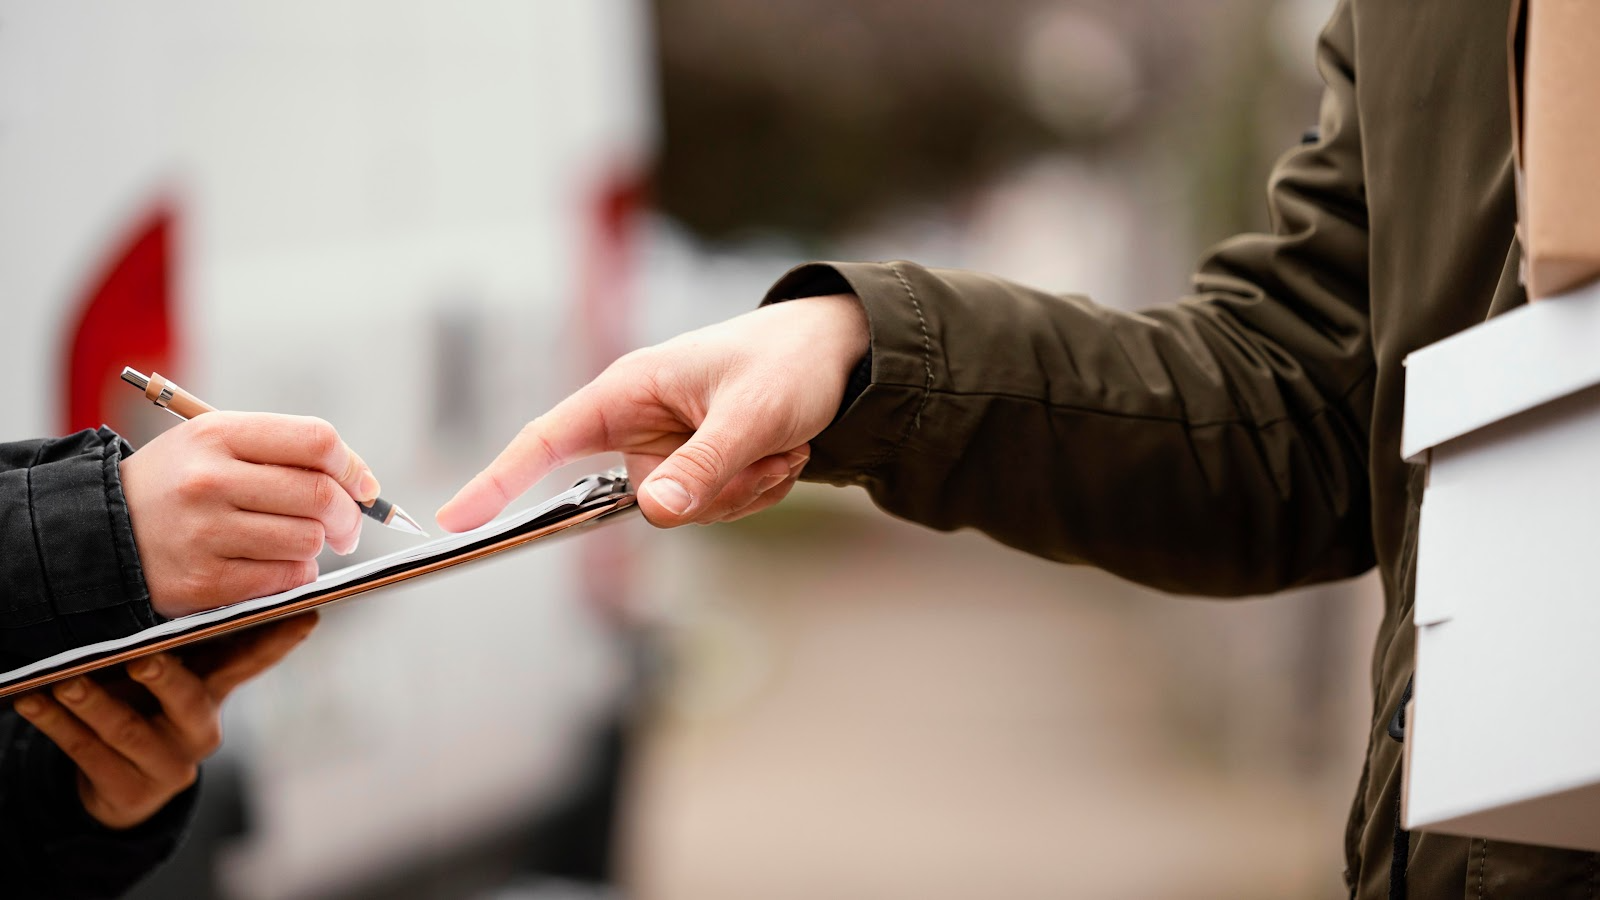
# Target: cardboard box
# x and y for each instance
(1503, 738)
(1555, 105)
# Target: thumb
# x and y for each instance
(696, 473)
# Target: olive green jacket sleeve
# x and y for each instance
(1216, 445)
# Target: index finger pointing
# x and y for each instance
(574, 429)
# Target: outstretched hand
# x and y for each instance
(713, 425)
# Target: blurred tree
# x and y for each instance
(810, 116)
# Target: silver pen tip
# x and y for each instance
(399, 521)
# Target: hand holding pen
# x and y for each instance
(167, 395)
(237, 505)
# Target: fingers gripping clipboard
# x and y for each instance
(591, 501)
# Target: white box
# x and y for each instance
(1503, 738)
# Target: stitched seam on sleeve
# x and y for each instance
(33, 525)
(927, 348)
(927, 381)
(1149, 417)
(111, 517)
(1483, 865)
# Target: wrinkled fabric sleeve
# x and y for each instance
(69, 576)
(50, 848)
(70, 572)
(1216, 445)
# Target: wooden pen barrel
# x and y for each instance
(164, 393)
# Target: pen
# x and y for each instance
(185, 405)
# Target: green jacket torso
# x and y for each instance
(1245, 438)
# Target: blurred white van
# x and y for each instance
(408, 217)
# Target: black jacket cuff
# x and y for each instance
(86, 537)
(77, 578)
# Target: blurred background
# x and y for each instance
(427, 221)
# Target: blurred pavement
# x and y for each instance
(861, 709)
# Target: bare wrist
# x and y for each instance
(848, 335)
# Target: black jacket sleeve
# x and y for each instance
(70, 572)
(50, 848)
(69, 575)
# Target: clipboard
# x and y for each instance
(589, 502)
